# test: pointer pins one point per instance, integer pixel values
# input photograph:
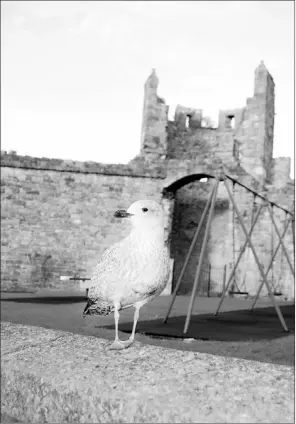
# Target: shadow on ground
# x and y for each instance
(49, 300)
(240, 325)
(232, 325)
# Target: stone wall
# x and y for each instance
(59, 222)
(280, 172)
(137, 168)
(190, 143)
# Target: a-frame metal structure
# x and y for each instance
(210, 207)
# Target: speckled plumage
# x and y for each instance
(135, 270)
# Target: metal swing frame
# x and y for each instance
(210, 206)
(276, 285)
(238, 291)
(280, 243)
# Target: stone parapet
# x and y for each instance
(58, 377)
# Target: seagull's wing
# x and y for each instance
(117, 268)
(110, 262)
(151, 289)
(129, 273)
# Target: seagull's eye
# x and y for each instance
(144, 209)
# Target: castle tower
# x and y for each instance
(154, 124)
(256, 132)
(264, 93)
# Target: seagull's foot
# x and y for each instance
(127, 343)
(117, 345)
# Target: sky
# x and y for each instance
(73, 72)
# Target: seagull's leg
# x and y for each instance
(128, 342)
(117, 344)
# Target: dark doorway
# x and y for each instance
(190, 202)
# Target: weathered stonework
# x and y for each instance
(57, 215)
(155, 111)
(58, 222)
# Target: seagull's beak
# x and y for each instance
(122, 214)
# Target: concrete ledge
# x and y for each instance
(58, 377)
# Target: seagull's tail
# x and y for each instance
(97, 307)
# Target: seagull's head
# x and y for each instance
(143, 214)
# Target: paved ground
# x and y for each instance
(235, 332)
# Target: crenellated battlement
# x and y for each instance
(243, 134)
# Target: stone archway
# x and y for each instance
(184, 199)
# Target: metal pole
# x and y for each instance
(224, 279)
(203, 249)
(80, 278)
(279, 236)
(233, 236)
(200, 224)
(209, 281)
(257, 194)
(293, 232)
(237, 261)
(272, 244)
(269, 266)
(281, 318)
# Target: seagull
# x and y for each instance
(133, 271)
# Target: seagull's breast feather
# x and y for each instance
(135, 269)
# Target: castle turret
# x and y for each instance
(255, 133)
(155, 118)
